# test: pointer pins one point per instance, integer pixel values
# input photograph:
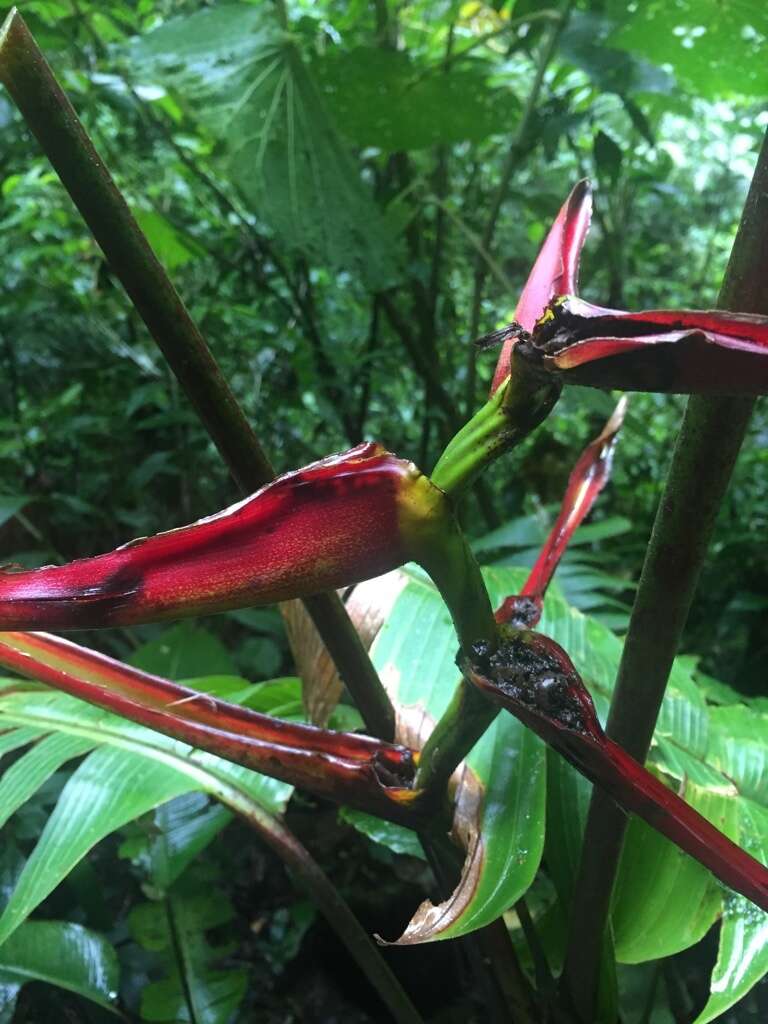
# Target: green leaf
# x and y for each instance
(10, 504)
(133, 772)
(704, 41)
(251, 88)
(30, 771)
(394, 837)
(62, 954)
(173, 247)
(742, 958)
(193, 991)
(182, 652)
(664, 900)
(179, 831)
(608, 156)
(501, 797)
(739, 748)
(381, 97)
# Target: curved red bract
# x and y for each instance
(333, 523)
(532, 676)
(555, 271)
(686, 351)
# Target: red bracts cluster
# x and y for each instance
(532, 676)
(685, 351)
(335, 522)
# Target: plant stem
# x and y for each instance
(51, 117)
(515, 409)
(711, 434)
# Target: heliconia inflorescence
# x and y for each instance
(532, 676)
(337, 521)
(559, 335)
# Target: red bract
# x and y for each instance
(353, 769)
(532, 676)
(337, 521)
(555, 271)
(587, 479)
(683, 351)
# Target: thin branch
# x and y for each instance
(46, 109)
(707, 446)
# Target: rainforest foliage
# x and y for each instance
(347, 195)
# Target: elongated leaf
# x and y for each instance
(179, 831)
(742, 958)
(35, 767)
(62, 954)
(133, 772)
(246, 79)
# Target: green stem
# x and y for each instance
(707, 446)
(515, 409)
(51, 117)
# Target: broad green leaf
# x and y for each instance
(704, 41)
(380, 97)
(183, 651)
(178, 832)
(246, 78)
(664, 900)
(173, 247)
(742, 959)
(394, 837)
(193, 991)
(739, 747)
(133, 772)
(62, 954)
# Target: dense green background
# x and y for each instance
(344, 207)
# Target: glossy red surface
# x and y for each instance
(332, 523)
(346, 767)
(555, 271)
(587, 479)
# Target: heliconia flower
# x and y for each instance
(532, 676)
(555, 272)
(588, 477)
(678, 351)
(336, 522)
(365, 772)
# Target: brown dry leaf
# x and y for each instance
(368, 605)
